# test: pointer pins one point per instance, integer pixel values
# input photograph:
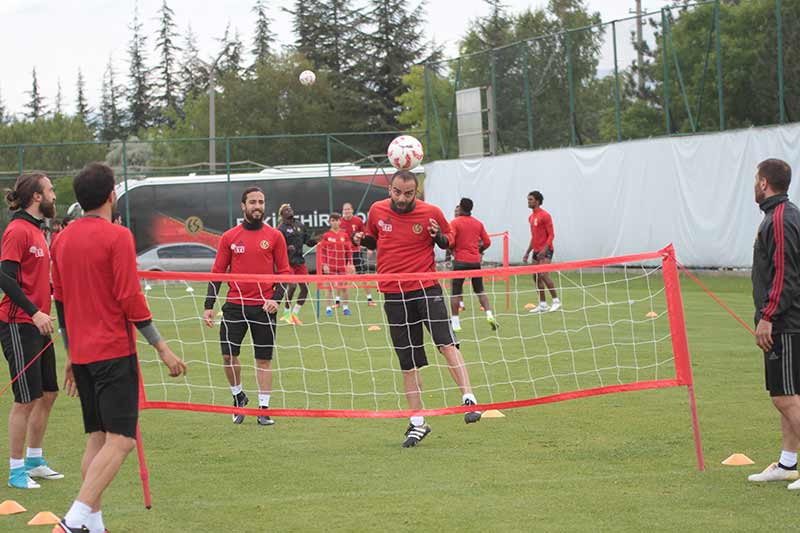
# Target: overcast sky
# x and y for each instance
(58, 37)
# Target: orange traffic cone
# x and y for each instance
(45, 518)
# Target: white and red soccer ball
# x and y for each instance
(405, 152)
(307, 77)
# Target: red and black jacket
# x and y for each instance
(776, 265)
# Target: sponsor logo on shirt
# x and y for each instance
(417, 228)
(535, 221)
(237, 248)
(38, 252)
(264, 244)
(384, 226)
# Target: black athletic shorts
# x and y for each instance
(406, 313)
(782, 365)
(458, 284)
(109, 393)
(548, 254)
(21, 343)
(235, 321)
(359, 262)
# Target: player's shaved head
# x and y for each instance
(405, 175)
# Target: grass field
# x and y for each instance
(618, 462)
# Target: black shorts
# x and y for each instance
(21, 343)
(782, 366)
(406, 313)
(548, 254)
(458, 284)
(359, 262)
(235, 321)
(109, 393)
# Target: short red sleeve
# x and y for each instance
(223, 259)
(126, 289)
(15, 241)
(371, 228)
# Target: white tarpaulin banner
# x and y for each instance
(695, 192)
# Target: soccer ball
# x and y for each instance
(307, 77)
(405, 152)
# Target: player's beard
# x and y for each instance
(48, 209)
(759, 194)
(402, 207)
(254, 215)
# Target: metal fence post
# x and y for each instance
(330, 174)
(571, 86)
(125, 177)
(427, 90)
(720, 93)
(779, 32)
(528, 103)
(617, 118)
(21, 159)
(228, 178)
(665, 60)
(493, 72)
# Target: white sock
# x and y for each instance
(328, 308)
(263, 400)
(461, 304)
(95, 522)
(369, 297)
(456, 322)
(345, 307)
(235, 390)
(556, 300)
(469, 396)
(489, 313)
(34, 453)
(417, 420)
(296, 308)
(77, 514)
(16, 463)
(788, 458)
(337, 300)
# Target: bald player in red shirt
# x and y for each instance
(100, 305)
(470, 240)
(541, 246)
(252, 247)
(405, 230)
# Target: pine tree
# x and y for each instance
(193, 74)
(395, 45)
(82, 110)
(139, 104)
(166, 48)
(35, 106)
(58, 109)
(263, 38)
(232, 48)
(111, 115)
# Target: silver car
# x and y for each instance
(178, 257)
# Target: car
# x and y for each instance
(177, 257)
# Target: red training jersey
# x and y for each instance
(251, 251)
(353, 225)
(336, 250)
(404, 243)
(24, 243)
(94, 276)
(469, 236)
(542, 234)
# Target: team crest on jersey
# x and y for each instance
(38, 252)
(417, 228)
(264, 244)
(535, 221)
(385, 226)
(237, 248)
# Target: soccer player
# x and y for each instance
(336, 251)
(776, 295)
(252, 247)
(542, 247)
(405, 230)
(116, 218)
(353, 224)
(296, 237)
(99, 302)
(25, 326)
(469, 242)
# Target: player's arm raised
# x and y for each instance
(439, 230)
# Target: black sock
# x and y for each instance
(793, 467)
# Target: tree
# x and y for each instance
(232, 50)
(395, 44)
(139, 89)
(82, 109)
(263, 36)
(58, 108)
(193, 74)
(35, 106)
(2, 109)
(111, 114)
(167, 98)
(413, 116)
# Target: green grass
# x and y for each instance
(616, 462)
